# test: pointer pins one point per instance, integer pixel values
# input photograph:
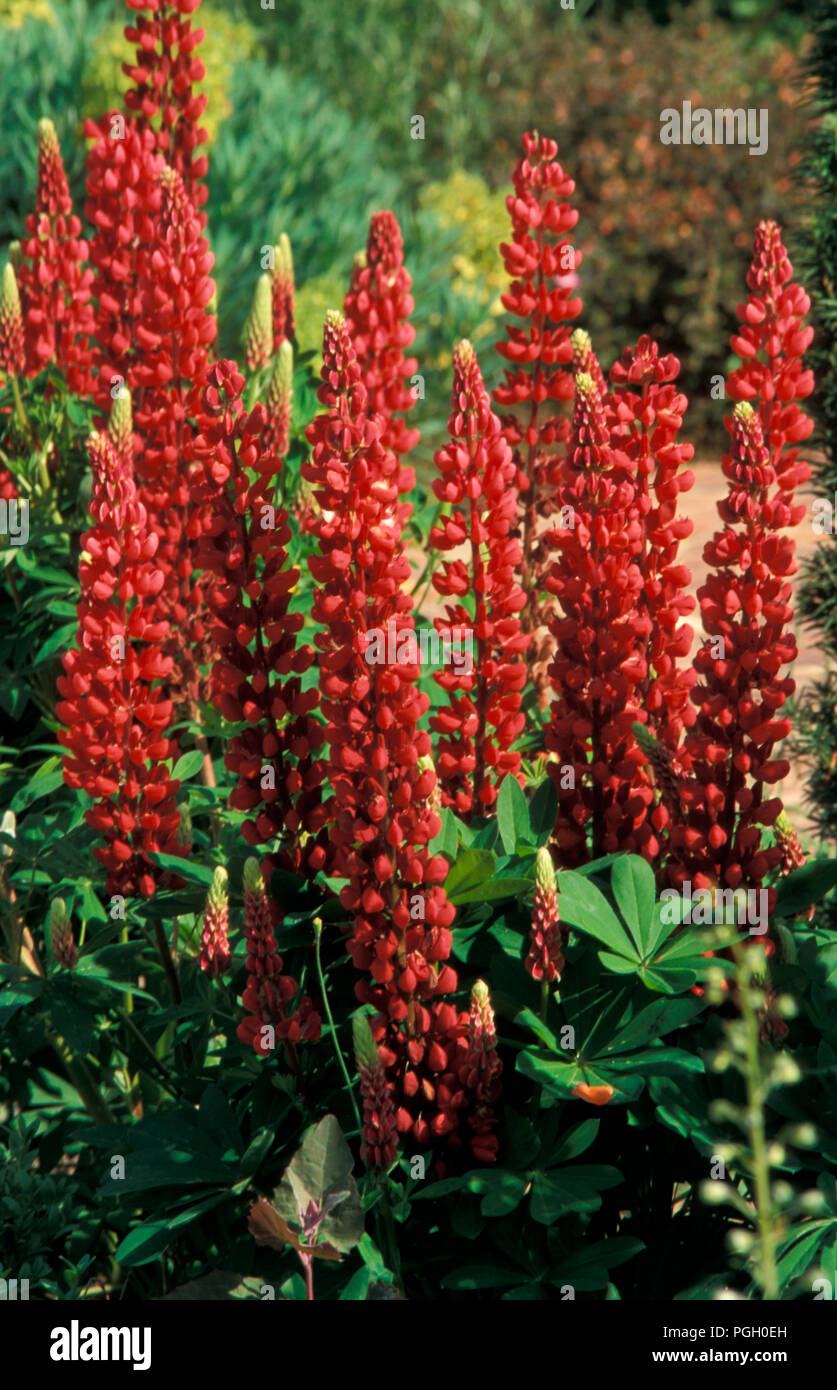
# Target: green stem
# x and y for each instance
(82, 1079)
(755, 1123)
(318, 927)
(19, 411)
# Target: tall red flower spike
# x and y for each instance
(479, 1069)
(545, 960)
(601, 633)
(745, 608)
(214, 955)
(257, 676)
(269, 993)
(124, 198)
(62, 940)
(377, 310)
(645, 413)
(482, 717)
(382, 821)
(380, 1136)
(542, 263)
(55, 281)
(161, 97)
(113, 712)
(772, 339)
(282, 292)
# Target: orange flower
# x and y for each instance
(595, 1095)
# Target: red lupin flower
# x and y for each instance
(380, 1136)
(542, 263)
(479, 1069)
(112, 708)
(545, 960)
(484, 681)
(257, 675)
(269, 993)
(377, 309)
(55, 282)
(214, 955)
(282, 292)
(381, 821)
(161, 97)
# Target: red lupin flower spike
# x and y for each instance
(482, 717)
(600, 636)
(257, 676)
(542, 263)
(112, 708)
(279, 401)
(377, 310)
(745, 609)
(214, 955)
(545, 960)
(479, 1069)
(381, 820)
(62, 940)
(162, 98)
(269, 992)
(380, 1136)
(55, 282)
(282, 292)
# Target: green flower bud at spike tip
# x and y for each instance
(61, 935)
(544, 870)
(214, 955)
(744, 412)
(11, 324)
(258, 331)
(47, 136)
(581, 341)
(218, 889)
(121, 424)
(279, 399)
(15, 256)
(253, 881)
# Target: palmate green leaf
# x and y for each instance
(562, 1077)
(584, 907)
(632, 881)
(564, 1190)
(512, 815)
(471, 869)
